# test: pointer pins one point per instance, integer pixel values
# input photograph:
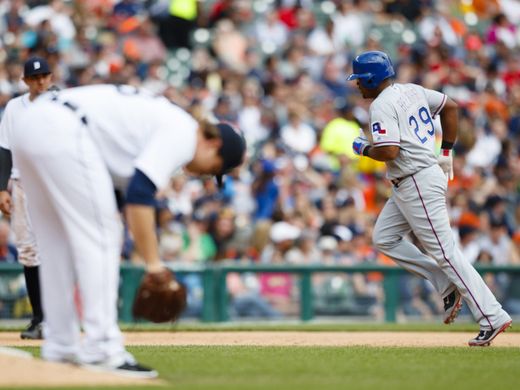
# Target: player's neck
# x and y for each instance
(384, 85)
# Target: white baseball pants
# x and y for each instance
(418, 204)
(78, 230)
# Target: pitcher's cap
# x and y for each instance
(232, 150)
(34, 66)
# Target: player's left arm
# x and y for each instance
(6, 165)
(382, 153)
(440, 104)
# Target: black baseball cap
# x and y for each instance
(34, 66)
(232, 150)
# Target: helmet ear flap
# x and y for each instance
(368, 82)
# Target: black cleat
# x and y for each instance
(135, 370)
(129, 369)
(452, 306)
(33, 331)
(485, 337)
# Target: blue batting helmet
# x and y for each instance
(371, 68)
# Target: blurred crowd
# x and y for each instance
(277, 69)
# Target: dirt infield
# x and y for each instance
(292, 338)
(51, 374)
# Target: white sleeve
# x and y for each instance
(384, 126)
(4, 129)
(436, 101)
(170, 147)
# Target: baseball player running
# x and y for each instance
(71, 151)
(402, 131)
(37, 76)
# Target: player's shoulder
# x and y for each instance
(387, 97)
(18, 101)
(420, 88)
(405, 87)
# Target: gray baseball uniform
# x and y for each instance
(402, 115)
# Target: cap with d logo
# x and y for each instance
(35, 66)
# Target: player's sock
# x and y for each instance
(32, 281)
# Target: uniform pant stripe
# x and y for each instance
(444, 254)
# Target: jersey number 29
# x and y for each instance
(426, 119)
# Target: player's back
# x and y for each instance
(403, 115)
(122, 119)
(121, 112)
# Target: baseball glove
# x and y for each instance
(160, 298)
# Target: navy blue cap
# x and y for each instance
(232, 150)
(34, 66)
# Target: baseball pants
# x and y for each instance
(78, 230)
(22, 227)
(418, 204)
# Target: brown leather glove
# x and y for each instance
(160, 298)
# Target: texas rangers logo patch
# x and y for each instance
(376, 128)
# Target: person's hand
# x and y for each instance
(5, 203)
(359, 145)
(445, 161)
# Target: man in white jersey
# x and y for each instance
(72, 150)
(402, 135)
(37, 75)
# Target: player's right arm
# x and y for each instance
(140, 215)
(165, 152)
(382, 153)
(385, 134)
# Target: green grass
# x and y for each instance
(302, 368)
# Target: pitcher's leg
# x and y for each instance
(429, 218)
(388, 234)
(93, 225)
(64, 157)
(57, 276)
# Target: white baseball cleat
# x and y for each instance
(452, 306)
(485, 337)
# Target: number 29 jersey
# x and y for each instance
(404, 115)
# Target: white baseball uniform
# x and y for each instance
(402, 115)
(71, 151)
(20, 222)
